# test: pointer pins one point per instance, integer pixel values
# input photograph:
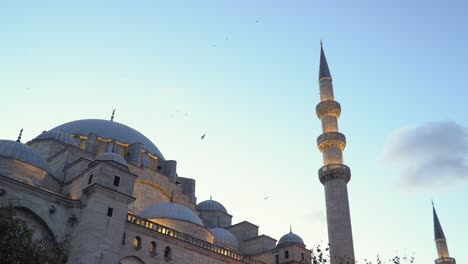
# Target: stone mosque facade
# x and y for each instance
(108, 192)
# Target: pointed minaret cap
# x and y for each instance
(324, 71)
(438, 232)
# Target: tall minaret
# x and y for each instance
(334, 175)
(441, 242)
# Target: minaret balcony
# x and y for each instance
(333, 172)
(445, 260)
(331, 139)
(330, 107)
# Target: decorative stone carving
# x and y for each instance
(331, 139)
(329, 107)
(333, 172)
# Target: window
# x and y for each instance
(110, 211)
(116, 181)
(90, 179)
(137, 242)
(153, 248)
(123, 238)
(302, 256)
(286, 254)
(167, 253)
(276, 259)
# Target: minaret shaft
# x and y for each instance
(334, 174)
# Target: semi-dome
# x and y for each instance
(59, 135)
(110, 130)
(211, 205)
(224, 238)
(109, 156)
(20, 151)
(290, 238)
(172, 211)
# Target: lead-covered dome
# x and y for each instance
(20, 151)
(109, 156)
(211, 205)
(224, 238)
(109, 130)
(172, 211)
(59, 135)
(290, 238)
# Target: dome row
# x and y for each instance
(125, 134)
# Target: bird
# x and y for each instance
(256, 21)
(265, 198)
(203, 136)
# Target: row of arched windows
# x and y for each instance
(153, 248)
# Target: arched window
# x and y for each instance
(286, 254)
(137, 242)
(168, 253)
(90, 179)
(153, 248)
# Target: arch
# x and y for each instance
(153, 248)
(42, 231)
(157, 186)
(168, 253)
(131, 260)
(137, 242)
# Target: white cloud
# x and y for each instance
(428, 155)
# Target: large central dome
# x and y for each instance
(110, 130)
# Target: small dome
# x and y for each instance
(20, 151)
(172, 211)
(59, 135)
(290, 238)
(109, 129)
(224, 238)
(109, 156)
(211, 205)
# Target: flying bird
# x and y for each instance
(203, 136)
(265, 198)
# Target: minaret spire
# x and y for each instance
(441, 241)
(438, 232)
(334, 175)
(324, 71)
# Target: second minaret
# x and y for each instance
(334, 175)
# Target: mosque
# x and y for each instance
(108, 192)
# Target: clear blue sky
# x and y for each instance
(245, 73)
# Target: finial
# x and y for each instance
(290, 229)
(432, 201)
(19, 136)
(172, 196)
(211, 197)
(321, 43)
(112, 117)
